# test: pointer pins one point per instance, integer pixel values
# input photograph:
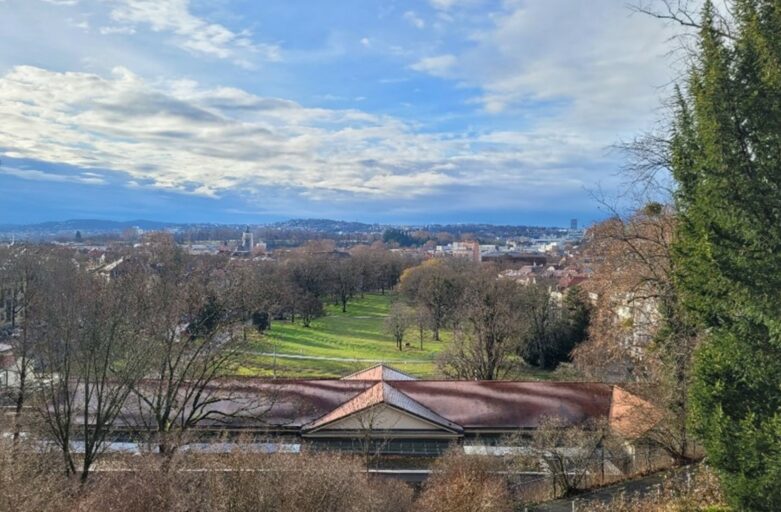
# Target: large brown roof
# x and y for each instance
(503, 405)
(455, 405)
(472, 405)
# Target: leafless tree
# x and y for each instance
(344, 280)
(569, 453)
(88, 362)
(492, 313)
(638, 330)
(190, 326)
(23, 273)
(422, 322)
(684, 13)
(437, 286)
(542, 324)
(397, 322)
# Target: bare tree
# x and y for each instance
(437, 286)
(189, 325)
(570, 454)
(23, 272)
(491, 311)
(89, 362)
(397, 322)
(684, 13)
(422, 321)
(344, 281)
(638, 330)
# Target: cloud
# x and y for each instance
(87, 178)
(414, 20)
(365, 42)
(117, 30)
(585, 65)
(192, 33)
(181, 137)
(437, 66)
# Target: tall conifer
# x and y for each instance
(727, 162)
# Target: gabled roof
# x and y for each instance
(379, 372)
(383, 393)
(305, 406)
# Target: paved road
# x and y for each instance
(339, 359)
(639, 487)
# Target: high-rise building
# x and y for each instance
(573, 224)
(247, 241)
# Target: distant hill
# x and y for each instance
(84, 225)
(47, 230)
(327, 226)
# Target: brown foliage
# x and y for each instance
(632, 274)
(32, 482)
(463, 483)
(639, 331)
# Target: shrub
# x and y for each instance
(464, 483)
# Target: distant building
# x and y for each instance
(573, 224)
(516, 257)
(247, 241)
(469, 250)
(246, 247)
(9, 375)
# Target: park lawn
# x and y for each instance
(356, 334)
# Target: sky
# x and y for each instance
(398, 111)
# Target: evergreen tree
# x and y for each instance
(726, 159)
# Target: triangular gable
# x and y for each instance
(382, 393)
(630, 415)
(379, 372)
(382, 417)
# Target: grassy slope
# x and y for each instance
(356, 334)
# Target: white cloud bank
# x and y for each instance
(181, 137)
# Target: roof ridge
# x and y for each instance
(382, 392)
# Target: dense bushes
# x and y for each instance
(233, 483)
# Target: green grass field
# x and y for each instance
(351, 341)
(355, 337)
